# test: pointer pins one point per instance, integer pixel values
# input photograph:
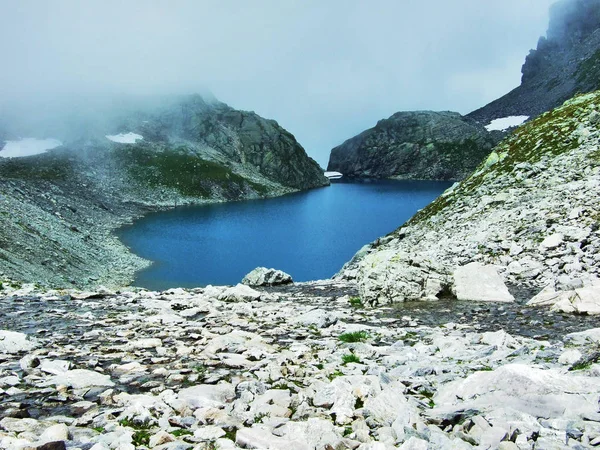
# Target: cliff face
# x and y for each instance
(531, 210)
(59, 207)
(418, 145)
(565, 62)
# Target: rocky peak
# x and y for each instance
(565, 62)
(415, 144)
(571, 23)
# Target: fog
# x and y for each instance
(325, 70)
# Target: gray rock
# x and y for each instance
(261, 276)
(477, 282)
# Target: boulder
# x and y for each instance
(14, 342)
(81, 378)
(261, 276)
(319, 318)
(540, 393)
(206, 395)
(478, 282)
(240, 293)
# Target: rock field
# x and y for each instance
(301, 366)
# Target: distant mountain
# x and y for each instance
(415, 145)
(565, 62)
(434, 145)
(59, 207)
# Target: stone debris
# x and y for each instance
(299, 367)
(532, 213)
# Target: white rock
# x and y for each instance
(261, 276)
(552, 241)
(54, 367)
(133, 367)
(541, 393)
(260, 437)
(315, 433)
(206, 395)
(81, 378)
(145, 343)
(477, 282)
(569, 357)
(549, 297)
(240, 293)
(58, 432)
(319, 318)
(209, 433)
(14, 342)
(415, 443)
(591, 336)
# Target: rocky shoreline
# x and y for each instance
(301, 366)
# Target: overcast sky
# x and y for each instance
(324, 69)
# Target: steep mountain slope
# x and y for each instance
(531, 209)
(60, 207)
(417, 145)
(566, 61)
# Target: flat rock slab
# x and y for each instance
(13, 342)
(81, 378)
(476, 282)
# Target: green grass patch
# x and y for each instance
(140, 438)
(350, 358)
(355, 302)
(181, 432)
(355, 336)
(182, 170)
(335, 374)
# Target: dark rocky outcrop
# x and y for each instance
(565, 62)
(415, 145)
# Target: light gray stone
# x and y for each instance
(261, 276)
(478, 282)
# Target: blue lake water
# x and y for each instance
(309, 235)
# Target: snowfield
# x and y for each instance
(505, 123)
(124, 138)
(28, 147)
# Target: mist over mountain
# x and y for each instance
(566, 61)
(324, 71)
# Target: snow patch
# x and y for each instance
(505, 123)
(28, 147)
(124, 138)
(333, 175)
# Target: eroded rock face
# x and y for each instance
(422, 145)
(530, 210)
(261, 276)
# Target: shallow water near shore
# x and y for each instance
(308, 234)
